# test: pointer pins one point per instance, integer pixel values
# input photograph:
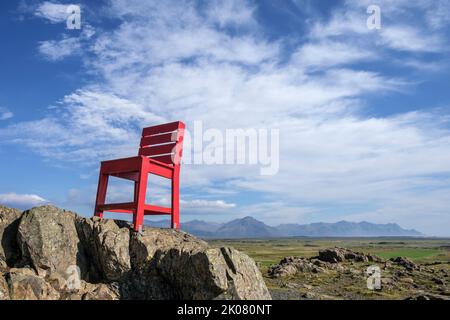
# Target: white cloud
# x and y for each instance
(56, 50)
(231, 13)
(330, 53)
(53, 12)
(22, 201)
(406, 38)
(5, 114)
(207, 204)
(400, 30)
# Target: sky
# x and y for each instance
(363, 113)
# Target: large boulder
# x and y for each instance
(107, 243)
(333, 255)
(9, 222)
(243, 278)
(49, 240)
(171, 264)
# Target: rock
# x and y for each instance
(24, 284)
(171, 264)
(4, 290)
(9, 250)
(107, 260)
(404, 262)
(289, 266)
(100, 291)
(57, 281)
(49, 240)
(438, 281)
(358, 257)
(243, 279)
(336, 255)
(107, 241)
(281, 270)
(156, 243)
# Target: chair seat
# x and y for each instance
(130, 207)
(128, 168)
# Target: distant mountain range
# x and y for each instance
(249, 227)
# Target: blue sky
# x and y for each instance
(363, 113)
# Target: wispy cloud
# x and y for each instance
(5, 114)
(56, 50)
(208, 204)
(59, 49)
(398, 30)
(407, 38)
(331, 53)
(52, 11)
(21, 201)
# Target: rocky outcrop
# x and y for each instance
(49, 241)
(9, 222)
(328, 259)
(188, 269)
(67, 257)
(106, 242)
(404, 262)
(289, 266)
(336, 255)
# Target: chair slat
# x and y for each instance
(161, 138)
(162, 128)
(157, 150)
(164, 159)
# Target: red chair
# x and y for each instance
(160, 154)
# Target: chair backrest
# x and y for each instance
(163, 142)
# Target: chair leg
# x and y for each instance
(140, 193)
(101, 193)
(175, 223)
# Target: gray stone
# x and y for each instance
(107, 242)
(24, 284)
(9, 223)
(49, 240)
(185, 268)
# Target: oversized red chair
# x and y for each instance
(160, 154)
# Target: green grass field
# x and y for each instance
(270, 251)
